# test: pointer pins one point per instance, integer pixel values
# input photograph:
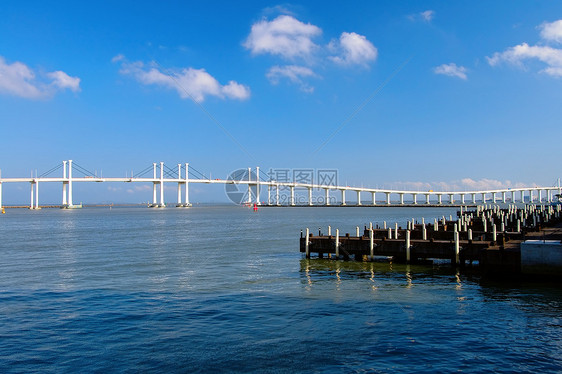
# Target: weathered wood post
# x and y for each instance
(337, 243)
(408, 245)
(371, 243)
(457, 249)
(306, 243)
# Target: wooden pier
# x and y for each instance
(487, 235)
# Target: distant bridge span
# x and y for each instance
(252, 188)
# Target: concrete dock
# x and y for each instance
(487, 236)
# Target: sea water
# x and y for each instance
(225, 289)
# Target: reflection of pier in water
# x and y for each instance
(317, 271)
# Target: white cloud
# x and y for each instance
(188, 82)
(139, 188)
(278, 9)
(63, 80)
(290, 39)
(293, 73)
(464, 184)
(552, 57)
(284, 36)
(118, 57)
(18, 79)
(354, 49)
(552, 31)
(235, 90)
(451, 70)
(425, 16)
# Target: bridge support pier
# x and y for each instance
(415, 198)
(162, 205)
(249, 186)
(462, 198)
(327, 190)
(37, 195)
(186, 197)
(427, 198)
(67, 199)
(277, 195)
(269, 194)
(483, 198)
(154, 199)
(32, 199)
(513, 197)
(64, 184)
(34, 203)
(343, 197)
(358, 197)
(531, 196)
(522, 196)
(374, 198)
(258, 202)
(387, 198)
(292, 195)
(451, 198)
(309, 196)
(504, 199)
(540, 196)
(401, 199)
(70, 183)
(473, 198)
(494, 197)
(179, 204)
(439, 199)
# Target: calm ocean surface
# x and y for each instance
(224, 289)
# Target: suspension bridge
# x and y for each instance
(246, 186)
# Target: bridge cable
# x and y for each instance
(82, 170)
(143, 172)
(201, 175)
(51, 171)
(170, 172)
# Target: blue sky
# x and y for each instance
(403, 94)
